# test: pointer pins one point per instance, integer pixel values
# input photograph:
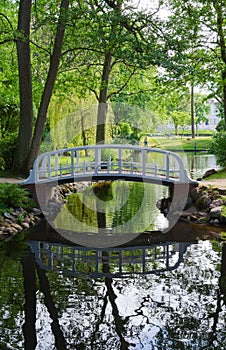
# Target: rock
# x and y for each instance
(214, 222)
(215, 212)
(222, 220)
(203, 201)
(25, 225)
(11, 230)
(17, 227)
(194, 194)
(216, 195)
(209, 172)
(36, 211)
(193, 217)
(215, 203)
(9, 216)
(188, 203)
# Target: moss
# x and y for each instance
(223, 212)
(223, 235)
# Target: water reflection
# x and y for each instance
(109, 262)
(110, 214)
(157, 292)
(198, 164)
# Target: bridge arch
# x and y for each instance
(109, 162)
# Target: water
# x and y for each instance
(165, 295)
(198, 164)
(112, 214)
(155, 291)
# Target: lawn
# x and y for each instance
(174, 143)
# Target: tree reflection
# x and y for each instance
(30, 289)
(223, 273)
(180, 309)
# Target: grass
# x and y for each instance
(221, 174)
(174, 143)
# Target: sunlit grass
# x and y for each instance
(174, 143)
(221, 174)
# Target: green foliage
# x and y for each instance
(107, 154)
(14, 195)
(221, 126)
(7, 151)
(218, 148)
(223, 235)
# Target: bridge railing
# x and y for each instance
(108, 262)
(112, 160)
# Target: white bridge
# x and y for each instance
(108, 162)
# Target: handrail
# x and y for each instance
(128, 161)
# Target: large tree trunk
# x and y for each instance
(102, 106)
(25, 88)
(51, 78)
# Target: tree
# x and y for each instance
(117, 39)
(28, 142)
(25, 87)
(180, 119)
(201, 110)
(196, 39)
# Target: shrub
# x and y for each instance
(14, 195)
(7, 151)
(218, 148)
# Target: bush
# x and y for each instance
(218, 148)
(7, 151)
(14, 195)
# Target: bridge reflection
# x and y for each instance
(108, 262)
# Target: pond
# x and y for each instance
(158, 292)
(108, 272)
(199, 163)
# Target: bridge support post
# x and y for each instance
(182, 189)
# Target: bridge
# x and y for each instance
(120, 262)
(108, 162)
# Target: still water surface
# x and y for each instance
(156, 291)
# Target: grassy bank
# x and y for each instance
(221, 174)
(174, 143)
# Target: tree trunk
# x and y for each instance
(102, 105)
(25, 88)
(51, 78)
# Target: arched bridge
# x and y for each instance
(109, 162)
